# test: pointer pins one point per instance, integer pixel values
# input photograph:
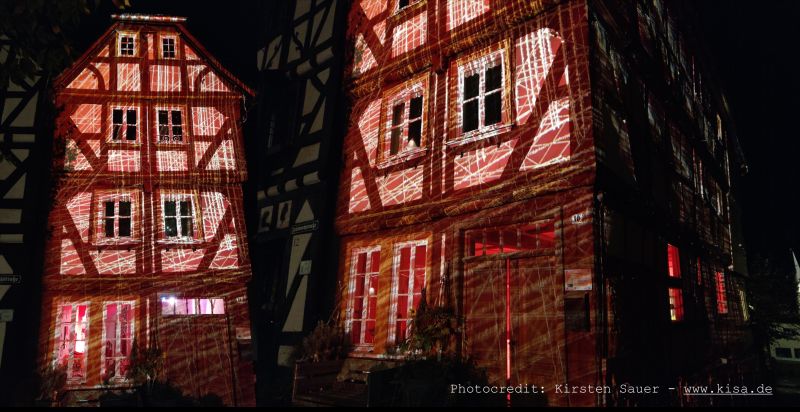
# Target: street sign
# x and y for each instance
(10, 279)
(305, 227)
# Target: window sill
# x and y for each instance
(117, 242)
(123, 144)
(480, 134)
(403, 157)
(171, 145)
(179, 242)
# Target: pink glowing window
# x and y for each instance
(673, 261)
(171, 305)
(675, 304)
(363, 303)
(722, 298)
(71, 340)
(408, 281)
(117, 339)
(510, 239)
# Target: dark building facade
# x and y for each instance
(294, 154)
(567, 168)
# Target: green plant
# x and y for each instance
(52, 381)
(430, 330)
(326, 342)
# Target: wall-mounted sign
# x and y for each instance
(305, 267)
(305, 227)
(10, 279)
(577, 279)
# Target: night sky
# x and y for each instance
(753, 46)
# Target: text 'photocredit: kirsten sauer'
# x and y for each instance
(623, 389)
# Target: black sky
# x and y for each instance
(752, 44)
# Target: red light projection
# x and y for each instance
(148, 241)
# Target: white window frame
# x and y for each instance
(365, 299)
(132, 35)
(479, 66)
(118, 340)
(125, 124)
(170, 125)
(395, 295)
(163, 44)
(178, 198)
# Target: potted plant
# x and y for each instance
(52, 381)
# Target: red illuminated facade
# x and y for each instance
(147, 240)
(483, 153)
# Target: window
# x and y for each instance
(406, 125)
(123, 124)
(127, 45)
(491, 241)
(401, 4)
(168, 47)
(170, 305)
(117, 218)
(170, 125)
(797, 353)
(363, 302)
(178, 218)
(408, 281)
(673, 261)
(71, 343)
(117, 339)
(675, 305)
(482, 95)
(745, 308)
(783, 353)
(722, 300)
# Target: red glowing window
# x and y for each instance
(363, 302)
(722, 299)
(673, 261)
(675, 304)
(170, 125)
(71, 340)
(409, 279)
(510, 239)
(117, 339)
(124, 124)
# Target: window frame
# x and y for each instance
(118, 339)
(123, 139)
(196, 303)
(676, 307)
(721, 292)
(197, 217)
(99, 199)
(127, 34)
(161, 43)
(361, 344)
(170, 125)
(403, 93)
(411, 292)
(479, 62)
(58, 340)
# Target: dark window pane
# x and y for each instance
(171, 226)
(162, 117)
(169, 208)
(124, 226)
(176, 117)
(492, 107)
(471, 84)
(416, 108)
(124, 208)
(131, 117)
(130, 133)
(395, 143)
(109, 228)
(115, 132)
(402, 3)
(397, 114)
(186, 208)
(109, 209)
(163, 132)
(415, 131)
(117, 116)
(177, 132)
(186, 227)
(470, 114)
(494, 77)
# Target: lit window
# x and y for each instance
(168, 47)
(127, 45)
(409, 279)
(482, 94)
(675, 304)
(745, 308)
(117, 218)
(170, 125)
(117, 339)
(170, 306)
(510, 239)
(673, 261)
(178, 218)
(123, 124)
(722, 299)
(363, 302)
(71, 343)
